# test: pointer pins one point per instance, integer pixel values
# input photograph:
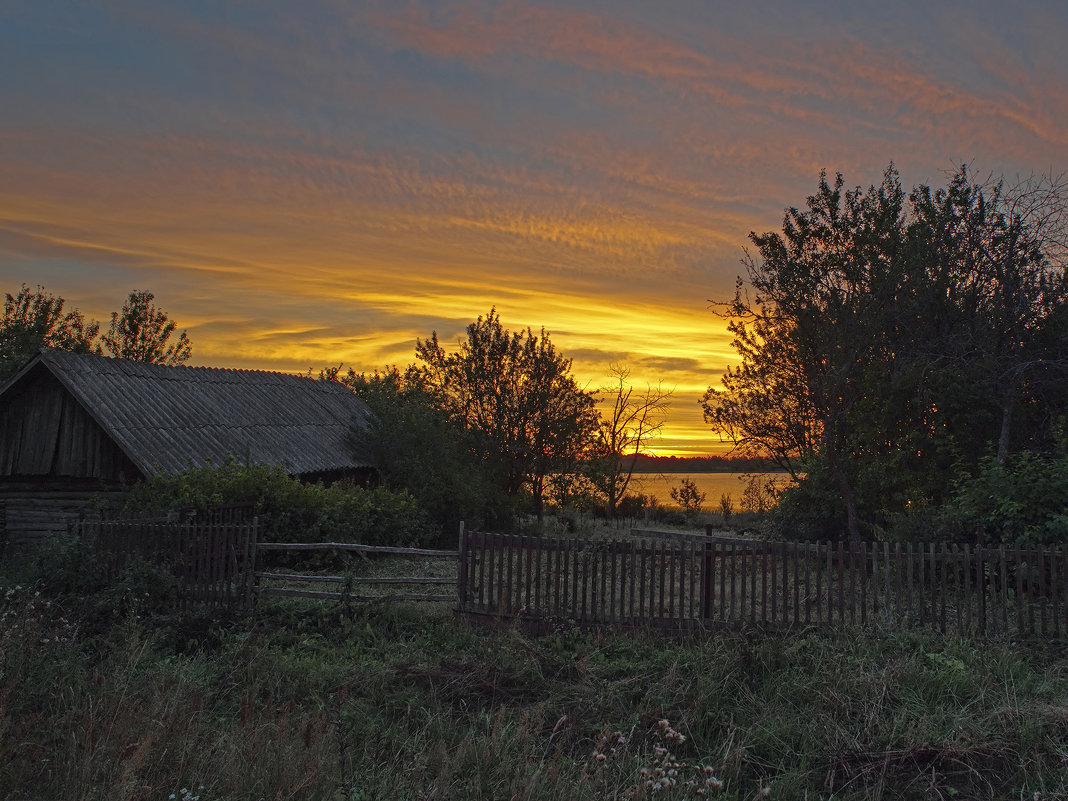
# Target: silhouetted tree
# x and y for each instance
(141, 332)
(34, 319)
(889, 337)
(623, 430)
(516, 392)
(417, 446)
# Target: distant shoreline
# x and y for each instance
(684, 470)
(704, 464)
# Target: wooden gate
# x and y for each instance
(209, 562)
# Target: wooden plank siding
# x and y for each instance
(44, 431)
(684, 584)
(30, 512)
(166, 418)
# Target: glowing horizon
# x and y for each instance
(307, 185)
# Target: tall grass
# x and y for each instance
(315, 702)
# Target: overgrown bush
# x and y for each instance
(633, 505)
(809, 511)
(1024, 500)
(68, 567)
(687, 496)
(421, 450)
(290, 509)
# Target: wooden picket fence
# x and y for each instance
(215, 560)
(209, 563)
(688, 583)
(672, 583)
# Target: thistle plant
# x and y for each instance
(662, 774)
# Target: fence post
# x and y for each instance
(251, 557)
(708, 567)
(462, 571)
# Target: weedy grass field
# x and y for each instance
(104, 699)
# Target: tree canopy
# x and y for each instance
(886, 338)
(34, 319)
(516, 392)
(142, 332)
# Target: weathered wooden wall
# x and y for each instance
(45, 432)
(32, 511)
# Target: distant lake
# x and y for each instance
(713, 485)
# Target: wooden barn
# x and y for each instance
(75, 428)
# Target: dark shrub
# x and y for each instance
(288, 508)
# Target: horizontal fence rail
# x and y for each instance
(690, 583)
(351, 583)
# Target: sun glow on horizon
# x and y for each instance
(327, 184)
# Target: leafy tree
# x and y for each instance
(622, 432)
(823, 287)
(998, 260)
(688, 497)
(515, 392)
(763, 408)
(34, 319)
(888, 337)
(141, 332)
(420, 449)
(1023, 499)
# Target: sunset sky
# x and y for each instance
(308, 183)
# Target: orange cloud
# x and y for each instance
(341, 179)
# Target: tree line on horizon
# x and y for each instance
(482, 434)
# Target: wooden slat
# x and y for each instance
(797, 583)
(932, 576)
(726, 564)
(573, 596)
(1019, 593)
(1029, 590)
(778, 604)
(288, 592)
(1054, 592)
(311, 577)
(1041, 556)
(764, 584)
(661, 579)
(692, 572)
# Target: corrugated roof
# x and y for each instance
(168, 418)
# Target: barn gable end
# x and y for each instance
(45, 432)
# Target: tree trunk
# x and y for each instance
(536, 491)
(1007, 407)
(849, 499)
(845, 489)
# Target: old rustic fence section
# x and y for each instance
(210, 563)
(703, 582)
(309, 585)
(216, 561)
(671, 583)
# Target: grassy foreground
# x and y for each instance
(315, 702)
